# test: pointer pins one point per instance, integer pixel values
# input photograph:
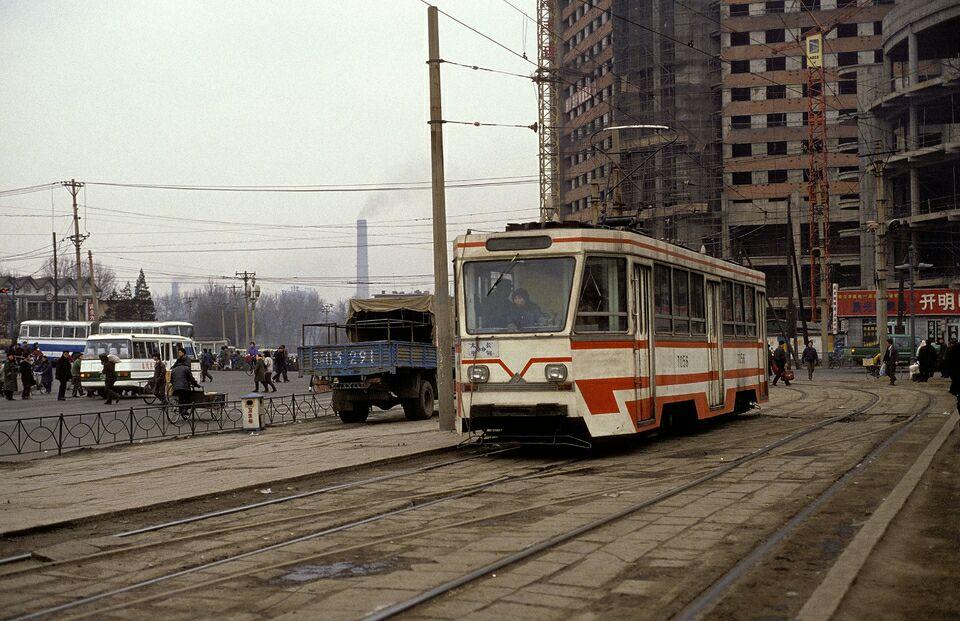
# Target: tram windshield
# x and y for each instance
(517, 295)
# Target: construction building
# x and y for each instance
(910, 143)
(765, 111)
(617, 72)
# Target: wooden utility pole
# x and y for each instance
(223, 325)
(56, 281)
(246, 276)
(93, 289)
(795, 263)
(443, 314)
(73, 187)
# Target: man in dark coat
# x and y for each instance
(890, 357)
(810, 358)
(927, 359)
(280, 364)
(109, 379)
(26, 377)
(182, 380)
(780, 364)
(10, 372)
(159, 379)
(63, 375)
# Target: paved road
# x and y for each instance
(234, 383)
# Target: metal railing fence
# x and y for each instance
(64, 432)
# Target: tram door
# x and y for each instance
(643, 351)
(715, 346)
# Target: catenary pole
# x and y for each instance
(77, 239)
(880, 252)
(93, 289)
(56, 281)
(443, 314)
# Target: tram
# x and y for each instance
(578, 332)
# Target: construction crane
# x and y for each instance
(548, 111)
(818, 180)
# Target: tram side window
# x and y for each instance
(662, 301)
(726, 307)
(681, 302)
(603, 296)
(738, 308)
(698, 322)
(750, 310)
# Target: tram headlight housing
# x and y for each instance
(478, 373)
(555, 373)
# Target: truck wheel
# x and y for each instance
(422, 408)
(358, 414)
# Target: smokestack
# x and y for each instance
(363, 264)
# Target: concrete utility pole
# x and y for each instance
(880, 252)
(443, 311)
(93, 289)
(56, 281)
(73, 187)
(246, 276)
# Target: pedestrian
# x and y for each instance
(206, 361)
(259, 369)
(810, 358)
(224, 358)
(109, 378)
(253, 350)
(927, 359)
(769, 362)
(268, 372)
(26, 377)
(182, 381)
(890, 357)
(10, 371)
(780, 365)
(942, 348)
(75, 375)
(952, 365)
(45, 369)
(159, 379)
(63, 375)
(280, 363)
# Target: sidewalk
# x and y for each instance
(43, 492)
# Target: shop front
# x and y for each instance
(936, 313)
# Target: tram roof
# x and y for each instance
(580, 236)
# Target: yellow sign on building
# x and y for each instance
(815, 50)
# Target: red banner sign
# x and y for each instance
(863, 303)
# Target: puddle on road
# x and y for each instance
(342, 569)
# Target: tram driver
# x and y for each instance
(522, 313)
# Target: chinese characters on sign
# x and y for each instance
(862, 303)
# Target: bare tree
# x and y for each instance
(104, 277)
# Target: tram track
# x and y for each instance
(699, 477)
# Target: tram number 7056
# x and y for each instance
(683, 361)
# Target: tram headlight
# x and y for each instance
(478, 373)
(555, 373)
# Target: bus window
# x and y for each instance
(68, 332)
(603, 296)
(45, 331)
(118, 347)
(56, 332)
(81, 332)
(34, 331)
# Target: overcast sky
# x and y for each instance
(241, 93)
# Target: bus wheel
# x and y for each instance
(422, 407)
(358, 414)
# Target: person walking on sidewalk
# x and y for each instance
(109, 378)
(780, 364)
(890, 357)
(26, 377)
(10, 372)
(75, 376)
(259, 370)
(159, 379)
(63, 375)
(927, 359)
(280, 364)
(268, 372)
(206, 361)
(45, 369)
(810, 358)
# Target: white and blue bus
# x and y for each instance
(55, 337)
(173, 328)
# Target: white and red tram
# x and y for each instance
(597, 332)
